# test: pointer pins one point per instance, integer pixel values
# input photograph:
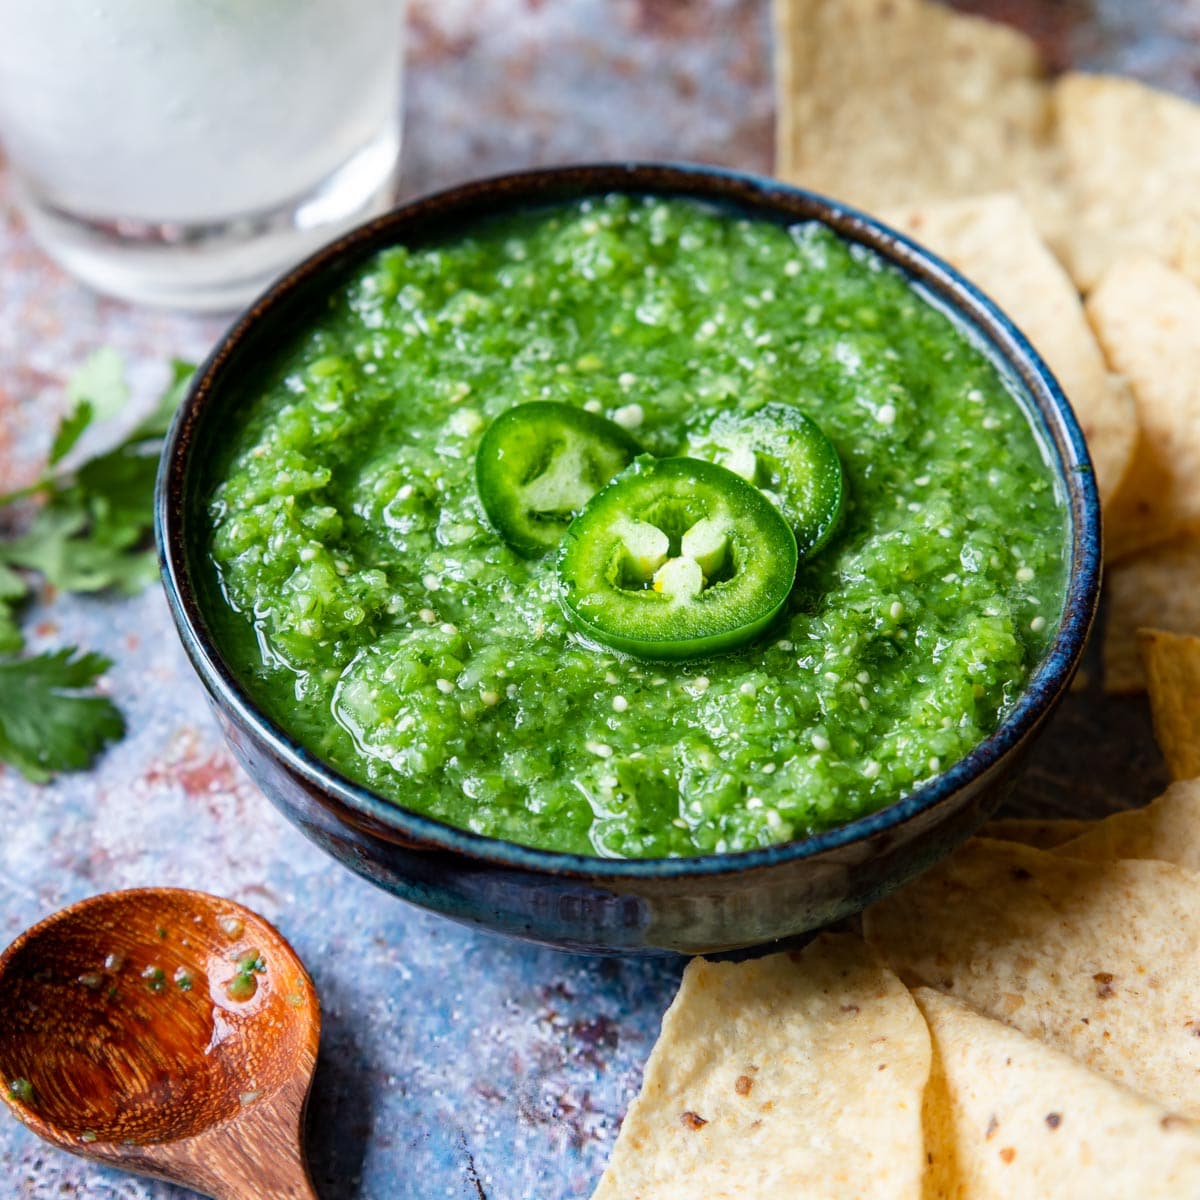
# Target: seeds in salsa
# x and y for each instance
(783, 452)
(675, 559)
(375, 612)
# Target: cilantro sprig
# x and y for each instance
(91, 532)
(50, 720)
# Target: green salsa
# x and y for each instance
(375, 613)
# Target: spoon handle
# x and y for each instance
(265, 1188)
(258, 1157)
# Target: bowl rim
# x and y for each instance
(1046, 406)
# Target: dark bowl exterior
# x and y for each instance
(707, 904)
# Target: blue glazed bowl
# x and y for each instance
(707, 904)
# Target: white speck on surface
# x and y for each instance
(599, 749)
(629, 416)
(465, 422)
(741, 460)
(427, 615)
(593, 406)
(871, 770)
(791, 267)
(432, 582)
(820, 741)
(1037, 624)
(445, 686)
(620, 704)
(896, 611)
(748, 689)
(446, 627)
(626, 379)
(1024, 574)
(886, 414)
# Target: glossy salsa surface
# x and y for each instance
(376, 616)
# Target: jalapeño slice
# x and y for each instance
(676, 558)
(784, 453)
(538, 464)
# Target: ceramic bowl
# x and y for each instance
(706, 904)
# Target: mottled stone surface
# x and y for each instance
(453, 1063)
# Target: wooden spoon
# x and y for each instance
(166, 1032)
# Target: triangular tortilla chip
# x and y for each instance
(793, 1075)
(1157, 589)
(1147, 319)
(1044, 834)
(1020, 1119)
(1167, 829)
(1172, 664)
(1132, 159)
(888, 102)
(994, 242)
(1101, 960)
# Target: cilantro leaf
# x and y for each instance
(93, 531)
(13, 591)
(159, 421)
(70, 430)
(97, 390)
(50, 720)
(100, 382)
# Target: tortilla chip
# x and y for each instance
(1167, 829)
(942, 1172)
(1147, 318)
(1044, 834)
(994, 242)
(1158, 589)
(888, 102)
(1022, 1119)
(1186, 259)
(795, 1075)
(1132, 161)
(1172, 664)
(1101, 960)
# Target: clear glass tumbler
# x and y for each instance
(183, 152)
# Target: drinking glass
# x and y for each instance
(183, 152)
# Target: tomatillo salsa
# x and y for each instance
(441, 631)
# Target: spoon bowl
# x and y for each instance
(165, 1031)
